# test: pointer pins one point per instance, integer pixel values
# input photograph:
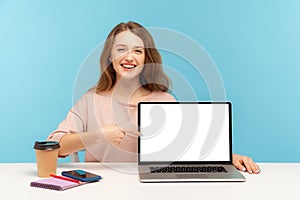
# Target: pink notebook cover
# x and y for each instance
(54, 184)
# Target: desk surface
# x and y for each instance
(277, 181)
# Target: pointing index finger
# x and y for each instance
(132, 132)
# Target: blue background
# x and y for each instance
(255, 44)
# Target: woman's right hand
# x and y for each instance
(113, 134)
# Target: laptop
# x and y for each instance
(185, 142)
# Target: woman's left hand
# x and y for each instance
(245, 163)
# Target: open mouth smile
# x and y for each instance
(128, 66)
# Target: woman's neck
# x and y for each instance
(129, 91)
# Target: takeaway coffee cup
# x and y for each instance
(46, 157)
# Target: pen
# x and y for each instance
(65, 178)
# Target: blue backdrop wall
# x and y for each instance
(255, 45)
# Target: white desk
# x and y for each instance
(277, 181)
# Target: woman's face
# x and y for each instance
(128, 55)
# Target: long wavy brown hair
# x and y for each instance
(152, 78)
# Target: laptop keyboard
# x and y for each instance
(188, 169)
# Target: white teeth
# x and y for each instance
(129, 66)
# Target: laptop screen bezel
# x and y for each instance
(185, 162)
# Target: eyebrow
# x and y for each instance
(122, 45)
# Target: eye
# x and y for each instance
(139, 51)
(121, 49)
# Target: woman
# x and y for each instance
(103, 121)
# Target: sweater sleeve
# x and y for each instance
(75, 121)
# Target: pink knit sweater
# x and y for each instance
(93, 111)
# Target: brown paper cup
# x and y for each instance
(46, 158)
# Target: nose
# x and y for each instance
(129, 57)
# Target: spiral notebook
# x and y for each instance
(54, 184)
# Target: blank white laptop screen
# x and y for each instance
(184, 132)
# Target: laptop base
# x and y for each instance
(232, 175)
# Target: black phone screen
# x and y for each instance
(81, 174)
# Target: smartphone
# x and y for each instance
(81, 175)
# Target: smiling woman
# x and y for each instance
(104, 121)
